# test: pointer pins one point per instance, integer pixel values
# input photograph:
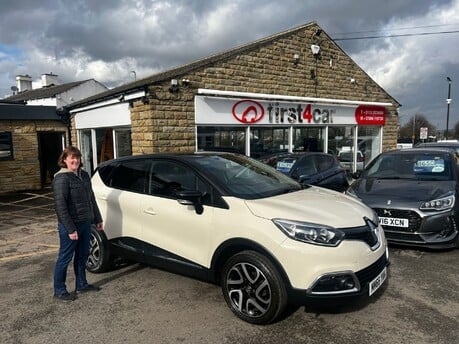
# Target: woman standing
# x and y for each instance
(76, 211)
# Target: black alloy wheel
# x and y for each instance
(253, 288)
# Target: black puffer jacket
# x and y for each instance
(74, 199)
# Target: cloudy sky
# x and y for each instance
(106, 40)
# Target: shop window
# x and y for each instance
(6, 145)
(308, 139)
(265, 141)
(123, 142)
(231, 139)
(104, 139)
(102, 144)
(86, 150)
(369, 142)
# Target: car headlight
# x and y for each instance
(311, 233)
(439, 204)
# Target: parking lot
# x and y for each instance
(141, 304)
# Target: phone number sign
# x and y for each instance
(370, 115)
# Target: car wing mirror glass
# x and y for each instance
(191, 197)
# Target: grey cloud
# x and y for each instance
(68, 36)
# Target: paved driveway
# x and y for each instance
(27, 224)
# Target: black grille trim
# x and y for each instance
(362, 233)
(370, 272)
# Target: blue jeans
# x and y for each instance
(67, 250)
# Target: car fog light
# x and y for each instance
(335, 284)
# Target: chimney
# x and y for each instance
(49, 80)
(24, 82)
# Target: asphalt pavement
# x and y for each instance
(24, 217)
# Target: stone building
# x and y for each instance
(295, 90)
(31, 139)
(34, 129)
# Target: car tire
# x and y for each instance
(99, 258)
(253, 288)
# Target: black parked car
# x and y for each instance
(453, 145)
(310, 168)
(414, 193)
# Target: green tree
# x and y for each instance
(411, 129)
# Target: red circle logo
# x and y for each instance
(248, 111)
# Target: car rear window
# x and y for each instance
(285, 165)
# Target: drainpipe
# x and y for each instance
(64, 114)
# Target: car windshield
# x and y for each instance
(246, 178)
(418, 166)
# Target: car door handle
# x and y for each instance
(149, 211)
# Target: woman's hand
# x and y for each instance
(99, 226)
(73, 235)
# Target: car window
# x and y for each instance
(324, 162)
(130, 176)
(168, 177)
(306, 166)
(284, 165)
(349, 155)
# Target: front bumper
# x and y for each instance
(438, 230)
(361, 279)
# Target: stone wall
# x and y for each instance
(23, 172)
(167, 122)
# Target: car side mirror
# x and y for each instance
(191, 197)
(356, 175)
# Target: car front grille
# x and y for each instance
(363, 233)
(404, 237)
(414, 220)
(370, 272)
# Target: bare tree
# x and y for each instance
(411, 129)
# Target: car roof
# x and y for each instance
(177, 156)
(451, 145)
(442, 150)
(291, 154)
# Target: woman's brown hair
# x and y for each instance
(69, 151)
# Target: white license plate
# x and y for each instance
(393, 222)
(378, 281)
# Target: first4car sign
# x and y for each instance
(213, 110)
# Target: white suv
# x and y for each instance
(237, 222)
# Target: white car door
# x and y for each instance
(170, 225)
(119, 202)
